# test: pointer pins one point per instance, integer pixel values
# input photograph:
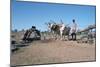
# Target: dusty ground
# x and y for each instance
(50, 51)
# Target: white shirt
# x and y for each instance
(74, 28)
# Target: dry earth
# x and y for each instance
(53, 51)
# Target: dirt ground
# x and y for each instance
(53, 51)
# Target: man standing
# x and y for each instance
(73, 30)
